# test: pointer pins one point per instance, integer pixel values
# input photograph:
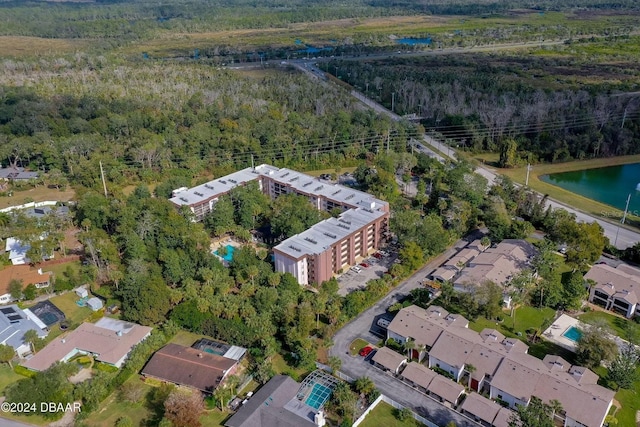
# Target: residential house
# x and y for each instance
(16, 173)
(108, 341)
(446, 391)
(418, 376)
(276, 404)
(388, 360)
(24, 274)
(14, 323)
(190, 367)
(497, 264)
(480, 409)
(500, 366)
(616, 288)
(18, 251)
(423, 327)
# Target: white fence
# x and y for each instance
(29, 205)
(396, 405)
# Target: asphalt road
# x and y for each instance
(361, 327)
(621, 237)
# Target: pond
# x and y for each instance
(610, 185)
(413, 42)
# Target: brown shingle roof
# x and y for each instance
(419, 374)
(446, 388)
(424, 326)
(388, 358)
(503, 417)
(188, 366)
(24, 273)
(481, 407)
(105, 343)
(454, 345)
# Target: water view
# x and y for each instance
(611, 185)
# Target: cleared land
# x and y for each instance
(36, 46)
(38, 194)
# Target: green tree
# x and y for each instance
(15, 289)
(412, 255)
(364, 386)
(7, 353)
(508, 154)
(535, 414)
(404, 414)
(623, 370)
(292, 214)
(574, 292)
(124, 421)
(489, 298)
(334, 363)
(221, 219)
(30, 292)
(595, 346)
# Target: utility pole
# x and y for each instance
(624, 116)
(393, 101)
(104, 184)
(624, 217)
(388, 140)
(252, 166)
(526, 182)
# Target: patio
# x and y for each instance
(556, 332)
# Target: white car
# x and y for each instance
(356, 268)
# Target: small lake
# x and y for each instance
(610, 185)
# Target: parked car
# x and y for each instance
(364, 264)
(377, 255)
(356, 269)
(383, 323)
(365, 351)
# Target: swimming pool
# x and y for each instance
(573, 334)
(229, 255)
(318, 396)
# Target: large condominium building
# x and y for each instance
(314, 255)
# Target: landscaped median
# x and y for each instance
(357, 345)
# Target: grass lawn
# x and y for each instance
(112, 408)
(526, 318)
(215, 418)
(58, 269)
(67, 303)
(383, 415)
(617, 324)
(357, 345)
(579, 202)
(630, 405)
(281, 366)
(185, 338)
(38, 194)
(7, 376)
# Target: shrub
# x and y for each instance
(104, 367)
(21, 370)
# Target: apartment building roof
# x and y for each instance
(480, 407)
(424, 326)
(419, 374)
(388, 358)
(324, 234)
(622, 282)
(188, 366)
(446, 388)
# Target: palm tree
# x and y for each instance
(364, 385)
(470, 369)
(335, 364)
(556, 407)
(31, 336)
(409, 346)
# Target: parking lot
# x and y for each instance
(352, 280)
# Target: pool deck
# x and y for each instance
(554, 333)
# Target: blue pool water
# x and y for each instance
(413, 42)
(572, 334)
(318, 396)
(229, 256)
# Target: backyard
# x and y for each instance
(73, 313)
(617, 324)
(384, 415)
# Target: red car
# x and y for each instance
(365, 351)
(364, 264)
(378, 255)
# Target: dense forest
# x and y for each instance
(531, 108)
(144, 119)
